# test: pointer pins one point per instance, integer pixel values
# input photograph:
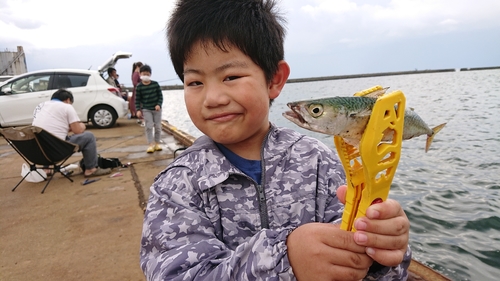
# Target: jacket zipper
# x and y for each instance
(264, 216)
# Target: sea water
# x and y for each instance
(451, 194)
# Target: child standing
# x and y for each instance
(249, 200)
(148, 102)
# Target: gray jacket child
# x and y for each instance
(206, 220)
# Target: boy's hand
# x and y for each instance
(157, 108)
(322, 251)
(384, 231)
(139, 114)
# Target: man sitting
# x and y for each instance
(58, 117)
(112, 76)
(113, 81)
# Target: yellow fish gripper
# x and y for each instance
(371, 168)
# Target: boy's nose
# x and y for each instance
(215, 96)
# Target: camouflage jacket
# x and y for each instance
(206, 220)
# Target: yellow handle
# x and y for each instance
(370, 169)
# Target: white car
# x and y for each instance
(94, 99)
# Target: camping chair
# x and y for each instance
(40, 149)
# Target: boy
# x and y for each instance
(148, 102)
(250, 201)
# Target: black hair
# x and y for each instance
(110, 70)
(253, 26)
(145, 68)
(135, 65)
(62, 95)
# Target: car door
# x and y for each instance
(111, 63)
(19, 97)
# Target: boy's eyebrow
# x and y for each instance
(232, 64)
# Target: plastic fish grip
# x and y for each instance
(370, 169)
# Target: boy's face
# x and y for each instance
(227, 98)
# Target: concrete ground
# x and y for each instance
(93, 231)
(75, 231)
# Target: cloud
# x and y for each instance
(65, 24)
(320, 23)
(330, 7)
(324, 37)
(325, 23)
(365, 36)
(18, 22)
(449, 22)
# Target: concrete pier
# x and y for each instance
(75, 231)
(93, 231)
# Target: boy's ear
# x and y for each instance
(279, 79)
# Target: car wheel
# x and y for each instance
(103, 116)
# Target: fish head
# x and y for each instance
(304, 114)
(315, 115)
(341, 116)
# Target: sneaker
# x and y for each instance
(143, 124)
(150, 149)
(99, 172)
(158, 147)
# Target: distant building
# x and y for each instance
(13, 63)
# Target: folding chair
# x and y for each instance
(40, 149)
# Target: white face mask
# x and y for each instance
(145, 78)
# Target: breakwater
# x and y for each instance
(351, 76)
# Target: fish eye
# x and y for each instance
(315, 110)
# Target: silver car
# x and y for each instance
(94, 99)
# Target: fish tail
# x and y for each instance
(430, 138)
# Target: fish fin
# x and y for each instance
(430, 138)
(377, 93)
(373, 92)
(363, 113)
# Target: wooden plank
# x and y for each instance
(421, 272)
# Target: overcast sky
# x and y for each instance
(324, 37)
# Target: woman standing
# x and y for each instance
(136, 79)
